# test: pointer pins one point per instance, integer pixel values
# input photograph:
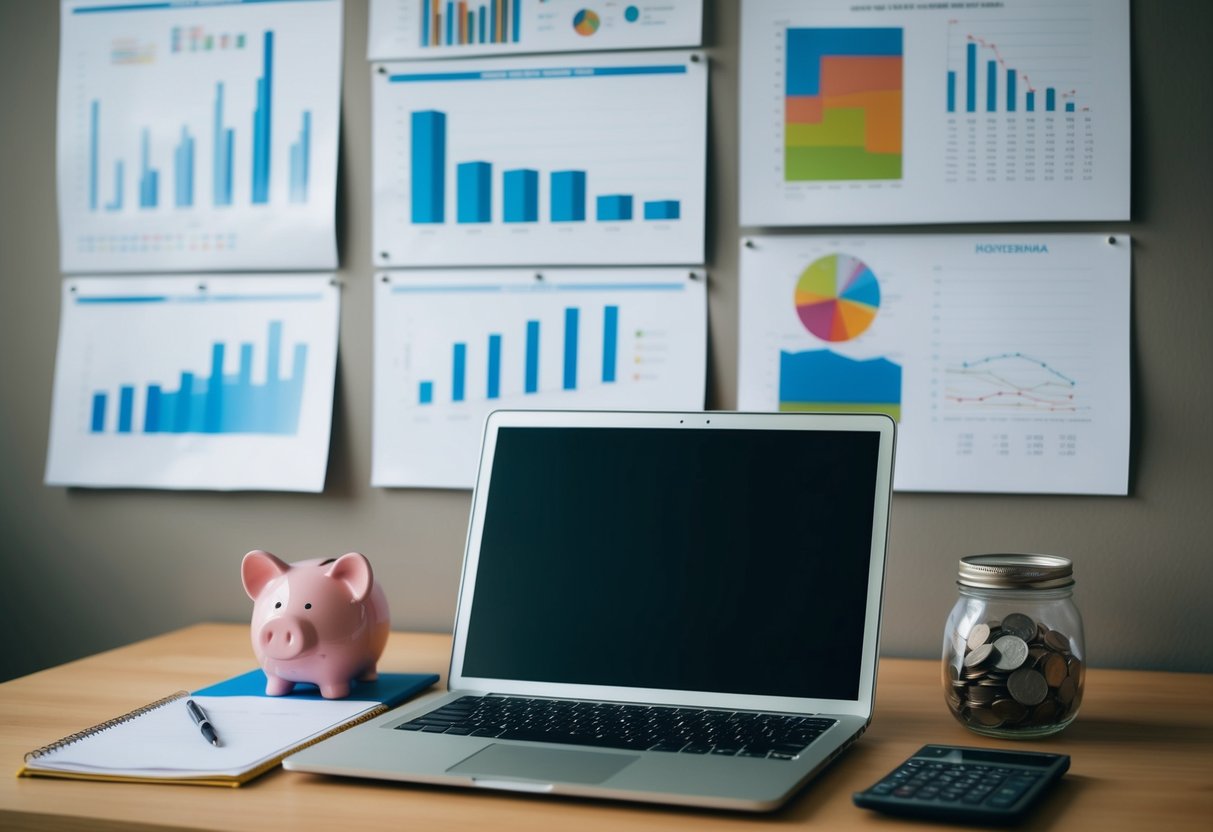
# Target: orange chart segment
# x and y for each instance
(837, 297)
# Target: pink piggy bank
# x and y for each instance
(319, 621)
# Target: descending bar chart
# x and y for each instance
(592, 160)
(1000, 69)
(445, 28)
(198, 134)
(216, 382)
(450, 347)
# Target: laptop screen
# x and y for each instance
(724, 560)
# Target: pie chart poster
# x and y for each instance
(1004, 360)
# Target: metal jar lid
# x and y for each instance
(1016, 571)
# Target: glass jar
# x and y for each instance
(1013, 646)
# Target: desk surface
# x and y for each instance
(1141, 749)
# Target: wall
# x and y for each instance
(88, 570)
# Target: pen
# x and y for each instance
(204, 724)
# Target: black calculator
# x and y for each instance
(971, 785)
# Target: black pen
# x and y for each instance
(204, 724)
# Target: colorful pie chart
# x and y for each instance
(837, 297)
(586, 22)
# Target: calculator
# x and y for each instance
(972, 785)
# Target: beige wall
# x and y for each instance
(88, 570)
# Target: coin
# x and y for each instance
(986, 717)
(1057, 641)
(1009, 710)
(1054, 669)
(979, 656)
(978, 636)
(1012, 650)
(1066, 691)
(1018, 624)
(1028, 686)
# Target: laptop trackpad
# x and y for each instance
(548, 765)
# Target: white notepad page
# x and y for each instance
(165, 742)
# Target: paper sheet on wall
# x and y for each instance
(452, 346)
(447, 29)
(566, 159)
(198, 136)
(195, 382)
(1004, 358)
(855, 114)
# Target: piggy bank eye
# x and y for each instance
(279, 604)
(307, 606)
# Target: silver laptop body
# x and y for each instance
(723, 561)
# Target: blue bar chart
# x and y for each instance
(565, 159)
(191, 134)
(194, 382)
(215, 402)
(1021, 67)
(451, 346)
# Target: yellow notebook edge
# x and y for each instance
(231, 781)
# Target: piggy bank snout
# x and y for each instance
(286, 637)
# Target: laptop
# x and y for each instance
(678, 608)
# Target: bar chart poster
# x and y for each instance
(198, 136)
(561, 160)
(453, 28)
(450, 347)
(1004, 359)
(861, 114)
(194, 382)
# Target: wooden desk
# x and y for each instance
(1142, 757)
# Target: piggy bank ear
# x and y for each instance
(353, 570)
(259, 568)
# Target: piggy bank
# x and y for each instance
(319, 621)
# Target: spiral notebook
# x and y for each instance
(159, 743)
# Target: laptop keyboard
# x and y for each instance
(636, 727)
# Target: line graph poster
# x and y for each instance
(956, 112)
(450, 347)
(194, 382)
(567, 159)
(198, 135)
(1004, 359)
(454, 28)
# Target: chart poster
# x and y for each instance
(905, 113)
(194, 382)
(198, 136)
(450, 347)
(1003, 358)
(559, 160)
(455, 28)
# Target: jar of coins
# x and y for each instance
(1013, 646)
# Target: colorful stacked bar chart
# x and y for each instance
(843, 104)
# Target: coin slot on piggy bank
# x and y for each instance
(1013, 647)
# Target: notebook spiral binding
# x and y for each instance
(104, 726)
